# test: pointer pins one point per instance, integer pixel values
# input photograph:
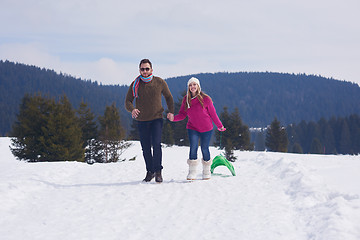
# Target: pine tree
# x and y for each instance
(63, 134)
(225, 139)
(260, 140)
(297, 148)
(354, 126)
(226, 121)
(328, 139)
(276, 137)
(134, 132)
(28, 131)
(229, 151)
(312, 131)
(237, 135)
(111, 134)
(47, 131)
(180, 133)
(89, 132)
(87, 123)
(301, 136)
(167, 136)
(316, 146)
(240, 132)
(345, 139)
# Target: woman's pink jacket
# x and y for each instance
(199, 118)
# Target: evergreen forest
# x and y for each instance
(321, 115)
(17, 80)
(47, 130)
(262, 96)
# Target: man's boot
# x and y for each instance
(158, 177)
(149, 176)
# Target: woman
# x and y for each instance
(201, 113)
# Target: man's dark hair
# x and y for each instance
(145, 61)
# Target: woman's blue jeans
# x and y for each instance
(150, 136)
(204, 137)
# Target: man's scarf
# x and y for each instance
(137, 82)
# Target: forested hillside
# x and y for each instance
(259, 96)
(18, 79)
(291, 98)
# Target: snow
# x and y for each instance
(273, 196)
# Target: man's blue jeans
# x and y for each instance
(150, 136)
(204, 137)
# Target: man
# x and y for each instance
(147, 89)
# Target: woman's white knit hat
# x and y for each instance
(192, 80)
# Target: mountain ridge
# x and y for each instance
(260, 96)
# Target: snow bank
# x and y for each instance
(273, 196)
(326, 211)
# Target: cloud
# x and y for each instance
(104, 70)
(104, 40)
(28, 53)
(107, 71)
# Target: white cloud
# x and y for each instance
(104, 40)
(29, 53)
(106, 71)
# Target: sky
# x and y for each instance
(104, 40)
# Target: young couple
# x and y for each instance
(147, 91)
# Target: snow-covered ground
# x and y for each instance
(273, 196)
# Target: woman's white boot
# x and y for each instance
(206, 169)
(192, 169)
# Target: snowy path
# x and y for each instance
(274, 196)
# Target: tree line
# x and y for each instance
(259, 96)
(17, 79)
(334, 136)
(49, 130)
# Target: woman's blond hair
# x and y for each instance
(199, 95)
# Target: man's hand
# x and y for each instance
(135, 113)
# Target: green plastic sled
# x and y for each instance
(220, 160)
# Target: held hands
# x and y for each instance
(170, 116)
(135, 113)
